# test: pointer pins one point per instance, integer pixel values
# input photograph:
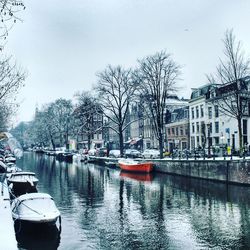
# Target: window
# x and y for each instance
(184, 145)
(211, 127)
(245, 132)
(202, 111)
(198, 140)
(169, 132)
(181, 131)
(173, 117)
(210, 112)
(186, 113)
(244, 127)
(177, 131)
(197, 127)
(193, 129)
(197, 112)
(216, 111)
(172, 131)
(192, 113)
(203, 128)
(216, 141)
(202, 140)
(192, 142)
(216, 127)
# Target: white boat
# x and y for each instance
(38, 208)
(21, 183)
(10, 159)
(80, 157)
(11, 168)
(22, 179)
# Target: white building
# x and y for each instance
(209, 126)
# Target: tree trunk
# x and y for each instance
(240, 134)
(161, 144)
(121, 141)
(53, 143)
(88, 141)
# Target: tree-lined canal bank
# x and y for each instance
(104, 209)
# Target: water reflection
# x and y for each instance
(104, 208)
(137, 176)
(41, 238)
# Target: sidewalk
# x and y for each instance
(7, 232)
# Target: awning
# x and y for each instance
(97, 141)
(82, 142)
(133, 140)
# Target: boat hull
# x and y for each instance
(35, 221)
(145, 167)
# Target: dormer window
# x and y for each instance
(173, 117)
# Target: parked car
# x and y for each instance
(115, 153)
(101, 152)
(151, 153)
(83, 151)
(92, 152)
(132, 153)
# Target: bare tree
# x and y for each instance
(8, 17)
(87, 115)
(11, 79)
(157, 76)
(5, 113)
(116, 91)
(47, 119)
(232, 96)
(53, 123)
(38, 129)
(61, 111)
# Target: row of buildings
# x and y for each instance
(198, 122)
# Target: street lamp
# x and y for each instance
(223, 146)
(141, 137)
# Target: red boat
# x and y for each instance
(133, 166)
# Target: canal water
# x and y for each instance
(103, 208)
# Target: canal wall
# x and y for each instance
(229, 171)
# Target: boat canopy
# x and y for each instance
(33, 196)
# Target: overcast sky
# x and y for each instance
(62, 44)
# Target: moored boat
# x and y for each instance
(22, 179)
(10, 159)
(134, 166)
(111, 164)
(22, 182)
(35, 208)
(67, 156)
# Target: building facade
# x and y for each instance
(210, 125)
(177, 130)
